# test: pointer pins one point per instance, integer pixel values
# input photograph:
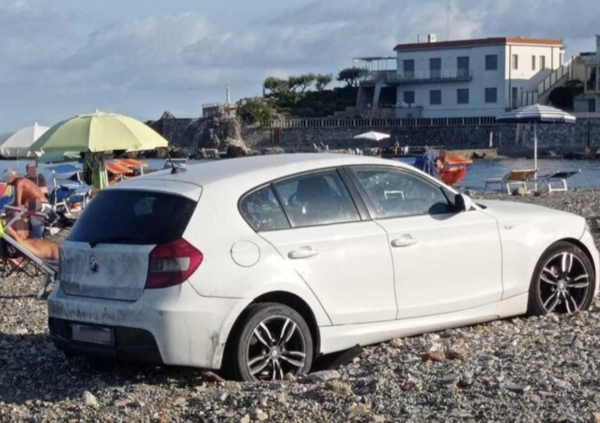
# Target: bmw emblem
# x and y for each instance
(93, 264)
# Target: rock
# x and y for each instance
(377, 418)
(323, 376)
(245, 419)
(212, 377)
(180, 402)
(519, 389)
(338, 387)
(465, 381)
(596, 417)
(122, 403)
(451, 379)
(357, 410)
(456, 352)
(21, 331)
(522, 191)
(90, 400)
(260, 415)
(396, 343)
(436, 356)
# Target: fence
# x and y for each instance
(554, 77)
(378, 122)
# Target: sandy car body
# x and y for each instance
(361, 281)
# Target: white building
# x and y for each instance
(589, 102)
(466, 78)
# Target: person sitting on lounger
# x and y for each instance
(44, 250)
(28, 194)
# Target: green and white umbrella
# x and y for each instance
(98, 133)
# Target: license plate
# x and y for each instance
(93, 334)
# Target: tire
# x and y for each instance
(563, 281)
(253, 355)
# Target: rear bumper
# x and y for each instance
(175, 326)
(136, 345)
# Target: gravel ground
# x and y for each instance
(522, 369)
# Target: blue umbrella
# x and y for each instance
(536, 114)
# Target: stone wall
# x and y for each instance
(191, 134)
(551, 137)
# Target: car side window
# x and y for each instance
(395, 193)
(316, 199)
(263, 212)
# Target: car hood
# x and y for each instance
(503, 210)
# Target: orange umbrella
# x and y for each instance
(132, 163)
(118, 168)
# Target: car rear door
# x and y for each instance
(444, 261)
(107, 253)
(343, 259)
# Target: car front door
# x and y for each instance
(344, 259)
(444, 261)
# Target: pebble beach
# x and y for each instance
(522, 369)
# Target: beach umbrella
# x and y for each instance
(372, 136)
(99, 132)
(536, 114)
(17, 144)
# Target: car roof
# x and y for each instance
(255, 170)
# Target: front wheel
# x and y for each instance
(273, 340)
(563, 281)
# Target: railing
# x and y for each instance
(554, 77)
(378, 122)
(434, 75)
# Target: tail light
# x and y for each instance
(172, 264)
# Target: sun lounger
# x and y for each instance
(518, 178)
(28, 263)
(559, 178)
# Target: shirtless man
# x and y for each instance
(26, 192)
(29, 195)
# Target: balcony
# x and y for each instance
(429, 76)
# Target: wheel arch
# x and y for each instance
(574, 242)
(289, 299)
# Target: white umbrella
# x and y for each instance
(16, 144)
(372, 136)
(536, 114)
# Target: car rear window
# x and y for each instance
(133, 217)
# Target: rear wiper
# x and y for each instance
(111, 240)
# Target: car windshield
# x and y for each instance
(133, 217)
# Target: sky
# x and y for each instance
(61, 58)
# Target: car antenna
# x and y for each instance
(174, 170)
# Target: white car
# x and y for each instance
(258, 265)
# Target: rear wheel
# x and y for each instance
(563, 281)
(272, 340)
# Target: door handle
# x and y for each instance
(404, 241)
(302, 252)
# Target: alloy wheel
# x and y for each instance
(276, 348)
(564, 284)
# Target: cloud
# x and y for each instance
(58, 62)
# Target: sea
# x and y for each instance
(475, 178)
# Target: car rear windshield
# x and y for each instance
(133, 217)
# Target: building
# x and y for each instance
(589, 102)
(464, 78)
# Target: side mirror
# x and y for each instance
(463, 203)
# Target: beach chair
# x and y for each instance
(26, 262)
(559, 178)
(518, 178)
